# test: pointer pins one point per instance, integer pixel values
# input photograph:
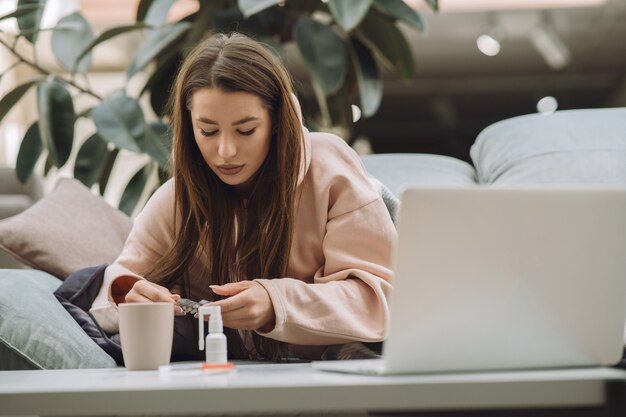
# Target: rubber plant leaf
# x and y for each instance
(349, 13)
(324, 52)
(29, 153)
(120, 121)
(90, 160)
(68, 43)
(368, 78)
(56, 119)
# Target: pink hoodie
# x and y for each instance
(339, 272)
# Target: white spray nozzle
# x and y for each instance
(215, 322)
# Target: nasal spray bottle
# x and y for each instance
(216, 353)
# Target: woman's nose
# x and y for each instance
(226, 148)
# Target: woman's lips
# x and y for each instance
(230, 169)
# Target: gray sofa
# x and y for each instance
(16, 197)
(567, 147)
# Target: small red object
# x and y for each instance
(227, 365)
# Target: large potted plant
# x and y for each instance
(343, 43)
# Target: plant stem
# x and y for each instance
(37, 67)
(86, 79)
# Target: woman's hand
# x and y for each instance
(248, 307)
(145, 291)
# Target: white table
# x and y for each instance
(297, 388)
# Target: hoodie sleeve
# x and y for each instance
(347, 300)
(152, 233)
(149, 239)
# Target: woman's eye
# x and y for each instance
(205, 133)
(247, 132)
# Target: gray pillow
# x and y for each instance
(36, 332)
(397, 171)
(574, 146)
(391, 201)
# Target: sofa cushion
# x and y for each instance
(574, 146)
(36, 332)
(68, 229)
(397, 171)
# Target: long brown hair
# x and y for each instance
(241, 241)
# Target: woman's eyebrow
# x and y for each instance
(245, 120)
(238, 122)
(205, 120)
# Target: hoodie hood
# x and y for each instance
(305, 156)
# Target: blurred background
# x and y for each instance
(482, 61)
(474, 63)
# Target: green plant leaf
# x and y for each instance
(29, 153)
(68, 43)
(153, 12)
(349, 13)
(120, 121)
(161, 80)
(56, 120)
(203, 22)
(159, 144)
(142, 10)
(21, 11)
(250, 7)
(134, 189)
(163, 175)
(48, 165)
(381, 34)
(368, 79)
(105, 36)
(103, 181)
(59, 27)
(324, 51)
(162, 39)
(269, 23)
(90, 160)
(340, 108)
(400, 10)
(30, 22)
(13, 96)
(434, 4)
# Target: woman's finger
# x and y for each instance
(135, 297)
(232, 288)
(154, 292)
(230, 304)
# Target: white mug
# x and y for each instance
(146, 334)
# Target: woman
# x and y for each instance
(279, 226)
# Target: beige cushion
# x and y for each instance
(68, 229)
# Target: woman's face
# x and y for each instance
(233, 132)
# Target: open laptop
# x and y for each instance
(505, 278)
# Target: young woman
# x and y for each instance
(279, 226)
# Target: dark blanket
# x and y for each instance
(79, 290)
(77, 294)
